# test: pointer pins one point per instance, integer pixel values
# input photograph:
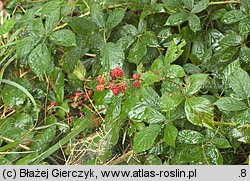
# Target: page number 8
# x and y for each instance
(243, 173)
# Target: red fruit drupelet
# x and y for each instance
(123, 86)
(100, 87)
(53, 103)
(137, 84)
(27, 142)
(78, 94)
(90, 92)
(101, 79)
(136, 76)
(117, 72)
(85, 97)
(116, 91)
(112, 85)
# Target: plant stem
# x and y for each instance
(225, 123)
(224, 2)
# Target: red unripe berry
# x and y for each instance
(70, 119)
(72, 98)
(116, 91)
(112, 86)
(117, 72)
(85, 97)
(80, 103)
(27, 142)
(100, 87)
(98, 121)
(94, 116)
(136, 84)
(53, 103)
(101, 79)
(78, 94)
(136, 76)
(123, 86)
(90, 92)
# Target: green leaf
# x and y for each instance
(200, 6)
(194, 83)
(158, 68)
(16, 126)
(217, 14)
(12, 96)
(194, 22)
(125, 42)
(149, 38)
(25, 45)
(243, 118)
(213, 155)
(80, 71)
(59, 86)
(188, 154)
(199, 111)
(137, 112)
(172, 86)
(226, 53)
(245, 53)
(170, 134)
(129, 30)
(176, 18)
(175, 71)
(49, 7)
(170, 101)
(230, 70)
(191, 68)
(36, 28)
(7, 26)
(3, 160)
(145, 138)
(190, 137)
(240, 83)
(174, 51)
(233, 16)
(150, 96)
(149, 78)
(172, 4)
(230, 104)
(115, 18)
(152, 159)
(197, 50)
(245, 4)
(188, 4)
(82, 25)
(97, 15)
(95, 42)
(221, 142)
(112, 56)
(137, 52)
(153, 116)
(231, 39)
(63, 37)
(52, 20)
(71, 59)
(39, 59)
(244, 27)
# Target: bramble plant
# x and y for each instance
(125, 82)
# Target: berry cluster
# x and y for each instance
(115, 81)
(136, 83)
(79, 102)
